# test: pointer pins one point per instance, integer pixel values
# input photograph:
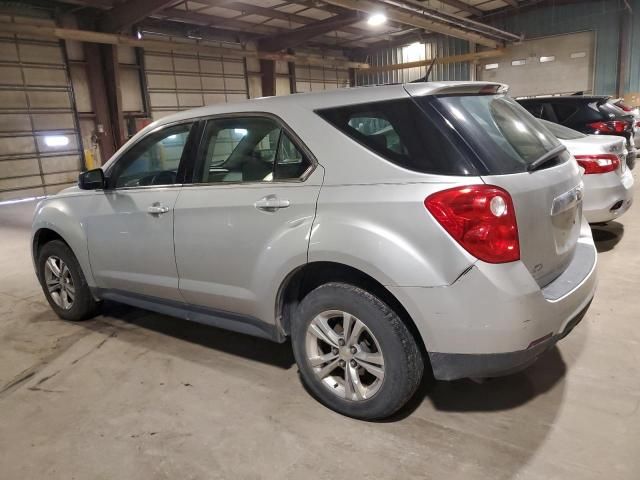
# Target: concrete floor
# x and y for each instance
(133, 394)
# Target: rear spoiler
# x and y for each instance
(455, 88)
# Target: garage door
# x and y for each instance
(315, 79)
(178, 81)
(39, 145)
(562, 64)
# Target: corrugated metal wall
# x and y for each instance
(633, 82)
(601, 16)
(440, 46)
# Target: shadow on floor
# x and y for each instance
(245, 346)
(497, 394)
(607, 236)
(494, 394)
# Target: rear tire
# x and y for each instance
(63, 282)
(368, 373)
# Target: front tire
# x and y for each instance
(355, 355)
(63, 282)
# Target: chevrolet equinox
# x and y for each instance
(384, 230)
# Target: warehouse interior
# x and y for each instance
(136, 394)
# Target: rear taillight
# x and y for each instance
(481, 218)
(613, 127)
(624, 107)
(598, 163)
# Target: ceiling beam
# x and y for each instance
(513, 3)
(123, 16)
(416, 20)
(43, 31)
(463, 6)
(181, 29)
(219, 22)
(233, 25)
(246, 8)
(298, 36)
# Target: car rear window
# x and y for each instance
(561, 132)
(506, 138)
(401, 132)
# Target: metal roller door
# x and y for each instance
(563, 64)
(178, 81)
(314, 79)
(40, 151)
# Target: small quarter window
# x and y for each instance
(402, 133)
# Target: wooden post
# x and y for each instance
(268, 71)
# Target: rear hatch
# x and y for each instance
(516, 152)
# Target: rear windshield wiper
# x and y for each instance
(550, 155)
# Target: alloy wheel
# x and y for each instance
(345, 355)
(59, 282)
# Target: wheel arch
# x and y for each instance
(56, 220)
(307, 277)
(42, 236)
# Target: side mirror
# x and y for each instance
(92, 180)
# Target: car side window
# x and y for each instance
(291, 163)
(252, 149)
(564, 112)
(154, 160)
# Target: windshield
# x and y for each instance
(506, 138)
(561, 132)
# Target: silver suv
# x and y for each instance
(385, 230)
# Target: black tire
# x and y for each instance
(84, 306)
(403, 362)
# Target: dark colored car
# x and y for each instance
(588, 114)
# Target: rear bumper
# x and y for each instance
(607, 196)
(495, 319)
(451, 366)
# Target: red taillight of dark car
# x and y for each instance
(598, 163)
(481, 218)
(614, 127)
(624, 107)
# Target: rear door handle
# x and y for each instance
(271, 203)
(157, 209)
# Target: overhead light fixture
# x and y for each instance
(240, 131)
(377, 19)
(139, 34)
(56, 141)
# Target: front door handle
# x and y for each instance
(157, 209)
(271, 203)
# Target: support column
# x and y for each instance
(99, 102)
(268, 72)
(114, 93)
